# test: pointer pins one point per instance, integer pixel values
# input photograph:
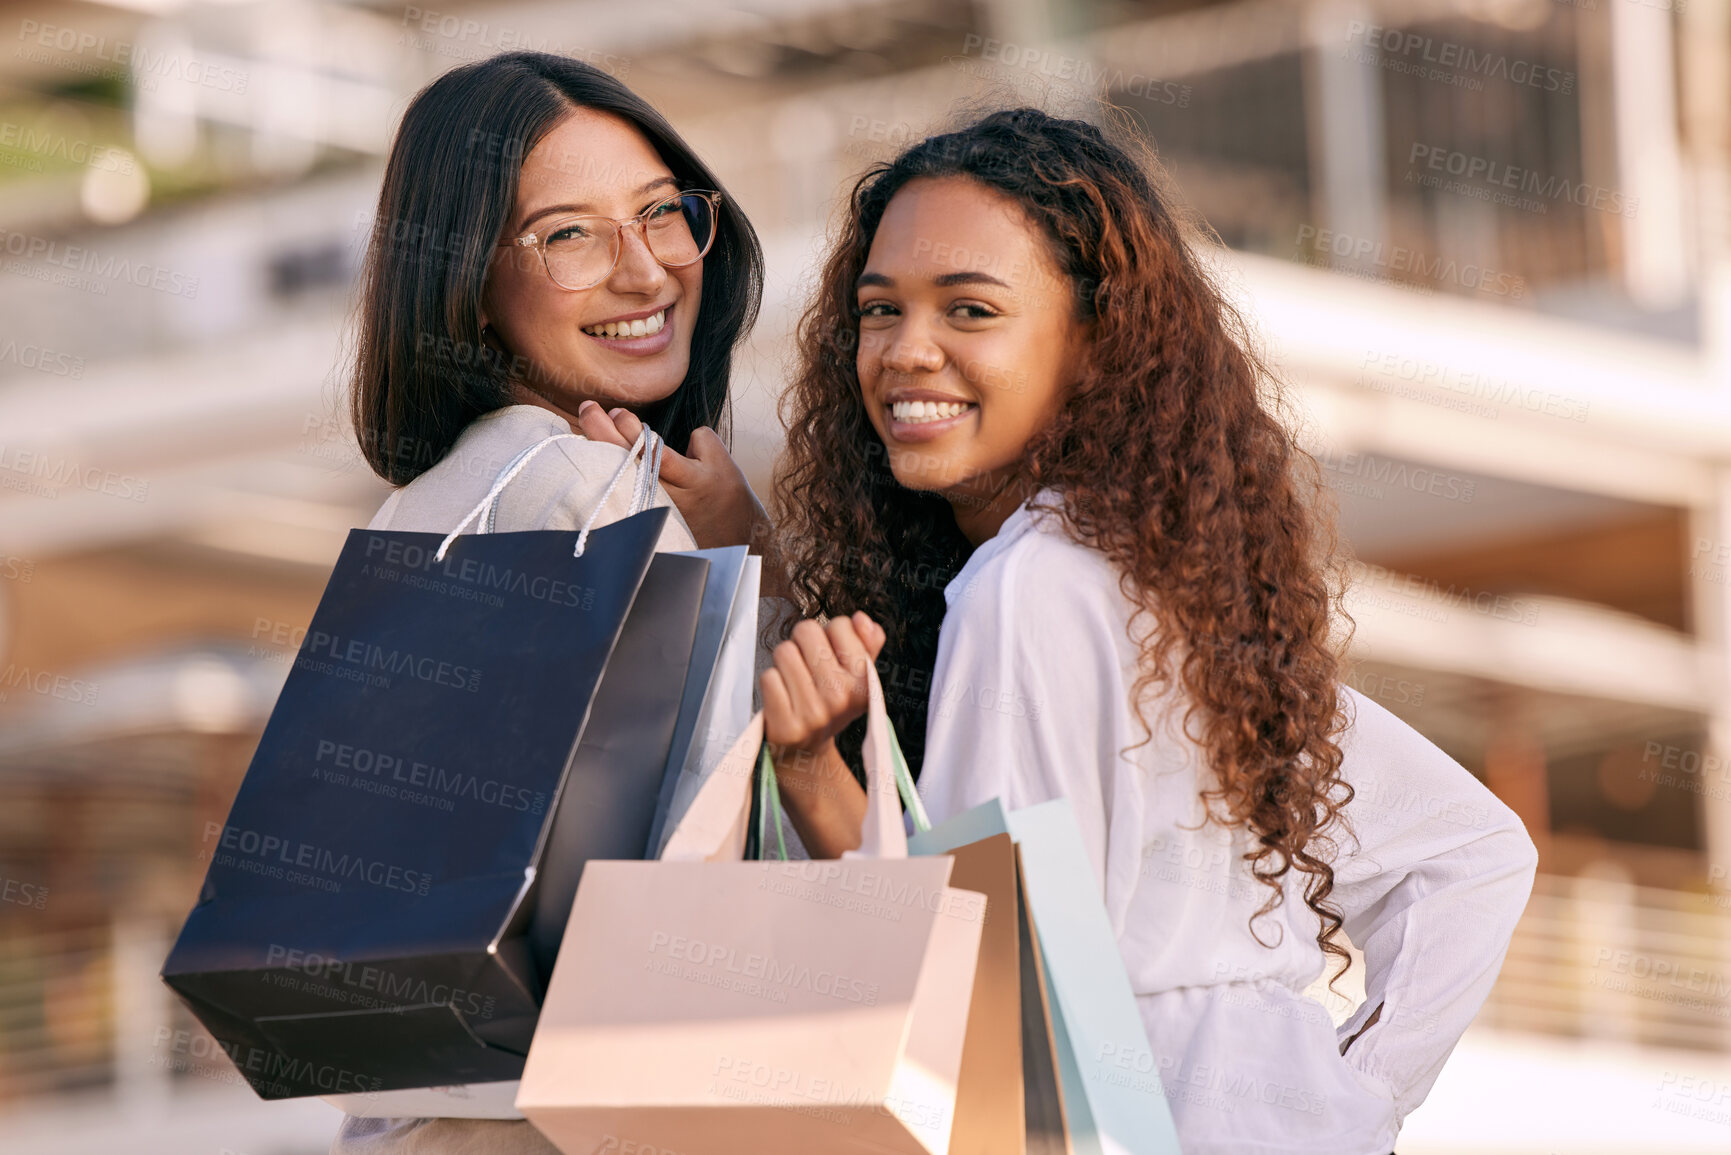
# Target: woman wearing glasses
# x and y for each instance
(549, 257)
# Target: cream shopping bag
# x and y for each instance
(708, 1006)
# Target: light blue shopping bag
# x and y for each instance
(1113, 1100)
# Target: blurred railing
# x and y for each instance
(56, 1012)
(82, 1009)
(1604, 959)
(1592, 958)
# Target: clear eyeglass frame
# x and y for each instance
(538, 241)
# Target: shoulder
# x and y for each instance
(1373, 732)
(492, 444)
(1400, 777)
(1039, 596)
(497, 440)
(489, 442)
(1034, 568)
(483, 450)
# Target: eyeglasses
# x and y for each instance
(580, 252)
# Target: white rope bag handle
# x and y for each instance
(642, 497)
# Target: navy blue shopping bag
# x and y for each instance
(373, 916)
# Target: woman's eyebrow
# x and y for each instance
(947, 280)
(585, 207)
(967, 278)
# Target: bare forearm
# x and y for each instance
(766, 543)
(823, 800)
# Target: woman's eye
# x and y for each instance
(974, 312)
(877, 309)
(666, 208)
(567, 233)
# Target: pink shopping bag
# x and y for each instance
(703, 1005)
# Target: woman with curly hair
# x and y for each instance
(1028, 436)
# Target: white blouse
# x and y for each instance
(1031, 701)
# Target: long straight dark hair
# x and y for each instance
(422, 370)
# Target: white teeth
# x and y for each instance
(915, 412)
(642, 327)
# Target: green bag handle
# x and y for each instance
(771, 802)
(910, 795)
(905, 785)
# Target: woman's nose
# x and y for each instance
(913, 353)
(637, 270)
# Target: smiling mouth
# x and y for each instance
(626, 330)
(920, 412)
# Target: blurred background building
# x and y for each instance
(1487, 243)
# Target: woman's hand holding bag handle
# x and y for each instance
(714, 827)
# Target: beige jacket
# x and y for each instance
(558, 489)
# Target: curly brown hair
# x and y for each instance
(1166, 457)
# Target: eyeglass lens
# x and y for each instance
(581, 251)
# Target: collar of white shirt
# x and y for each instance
(1017, 524)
